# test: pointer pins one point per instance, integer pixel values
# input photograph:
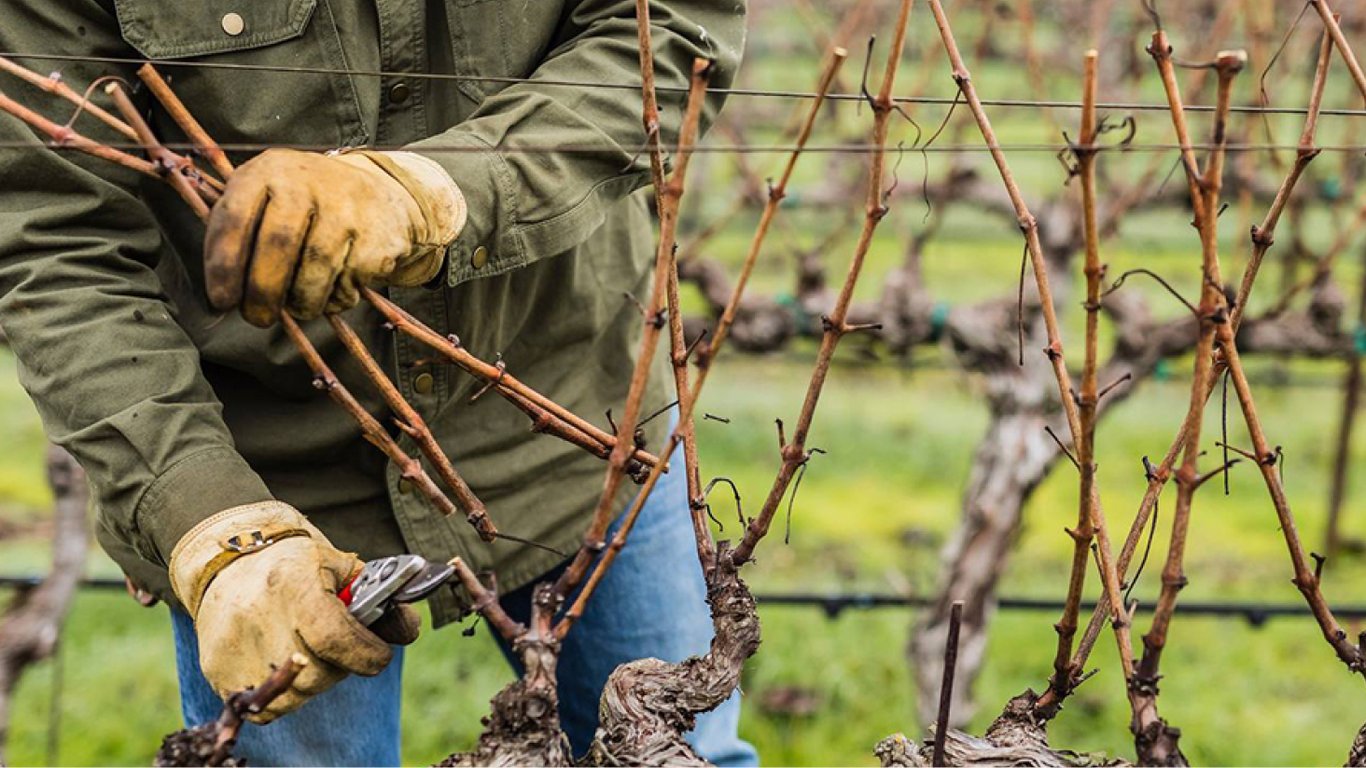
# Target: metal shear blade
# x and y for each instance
(423, 583)
(389, 580)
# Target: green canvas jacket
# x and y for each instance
(177, 412)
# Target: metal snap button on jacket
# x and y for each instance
(480, 257)
(399, 93)
(423, 383)
(233, 24)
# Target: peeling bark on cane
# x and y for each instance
(55, 85)
(1091, 507)
(649, 705)
(546, 414)
(670, 192)
(413, 425)
(1356, 757)
(1155, 740)
(1066, 675)
(1013, 739)
(794, 454)
(211, 744)
(523, 727)
(1262, 238)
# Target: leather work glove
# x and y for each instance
(261, 584)
(304, 231)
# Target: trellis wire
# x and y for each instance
(833, 604)
(856, 149)
(1250, 109)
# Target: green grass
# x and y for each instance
(23, 493)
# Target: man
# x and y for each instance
(498, 199)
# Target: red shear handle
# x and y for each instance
(345, 595)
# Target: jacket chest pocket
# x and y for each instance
(500, 39)
(262, 72)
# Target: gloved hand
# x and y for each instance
(304, 231)
(261, 583)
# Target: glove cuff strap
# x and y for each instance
(218, 541)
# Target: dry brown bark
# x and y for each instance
(1356, 758)
(648, 705)
(523, 727)
(1015, 738)
(212, 743)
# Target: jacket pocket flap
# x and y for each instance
(175, 29)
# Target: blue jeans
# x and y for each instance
(652, 603)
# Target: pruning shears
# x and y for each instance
(392, 580)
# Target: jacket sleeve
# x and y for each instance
(116, 380)
(528, 205)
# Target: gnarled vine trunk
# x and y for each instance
(1015, 738)
(1011, 459)
(523, 727)
(648, 705)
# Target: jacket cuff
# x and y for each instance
(488, 245)
(190, 492)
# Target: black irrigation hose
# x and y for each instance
(1256, 614)
(835, 604)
